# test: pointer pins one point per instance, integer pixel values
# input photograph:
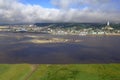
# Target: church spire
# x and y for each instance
(108, 23)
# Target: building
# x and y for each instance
(108, 23)
(108, 27)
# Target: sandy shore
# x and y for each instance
(53, 40)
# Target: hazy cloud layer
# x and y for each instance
(13, 11)
(78, 3)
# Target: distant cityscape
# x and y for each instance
(62, 30)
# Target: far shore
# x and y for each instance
(109, 34)
(104, 34)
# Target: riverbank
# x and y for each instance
(107, 34)
(59, 72)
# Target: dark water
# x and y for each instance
(91, 49)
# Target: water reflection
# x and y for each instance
(14, 48)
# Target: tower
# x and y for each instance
(108, 27)
(108, 23)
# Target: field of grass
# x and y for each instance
(59, 72)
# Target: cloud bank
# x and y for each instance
(13, 11)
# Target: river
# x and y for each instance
(15, 48)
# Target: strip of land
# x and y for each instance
(60, 72)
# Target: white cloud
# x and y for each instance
(71, 3)
(13, 11)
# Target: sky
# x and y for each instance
(34, 11)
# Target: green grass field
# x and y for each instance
(60, 72)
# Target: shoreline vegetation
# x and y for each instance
(59, 71)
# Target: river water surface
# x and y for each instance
(15, 48)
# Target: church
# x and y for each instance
(108, 27)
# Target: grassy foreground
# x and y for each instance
(60, 72)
